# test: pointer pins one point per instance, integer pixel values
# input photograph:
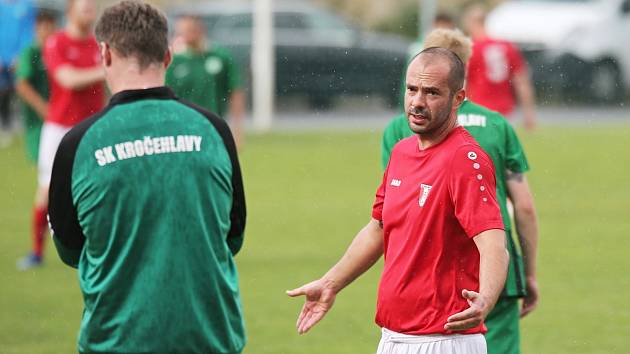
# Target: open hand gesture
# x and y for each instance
(472, 316)
(320, 298)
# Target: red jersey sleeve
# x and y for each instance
(377, 207)
(53, 53)
(472, 187)
(516, 61)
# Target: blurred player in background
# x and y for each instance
(206, 74)
(32, 87)
(147, 201)
(17, 19)
(72, 61)
(437, 223)
(442, 21)
(497, 73)
(496, 137)
(32, 83)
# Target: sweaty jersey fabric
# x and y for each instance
(491, 67)
(497, 138)
(31, 69)
(67, 106)
(206, 79)
(432, 202)
(146, 199)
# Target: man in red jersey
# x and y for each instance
(497, 73)
(437, 223)
(77, 91)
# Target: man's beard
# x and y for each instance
(433, 122)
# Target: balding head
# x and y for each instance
(456, 69)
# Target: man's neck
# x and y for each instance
(77, 32)
(131, 78)
(429, 140)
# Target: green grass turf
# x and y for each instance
(308, 194)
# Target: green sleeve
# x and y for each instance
(394, 132)
(515, 156)
(68, 256)
(233, 72)
(25, 65)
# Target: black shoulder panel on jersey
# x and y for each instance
(238, 213)
(62, 213)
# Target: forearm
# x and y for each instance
(76, 79)
(31, 97)
(363, 252)
(493, 264)
(527, 231)
(237, 114)
(526, 222)
(525, 94)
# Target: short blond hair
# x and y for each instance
(451, 39)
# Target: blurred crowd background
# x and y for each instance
(576, 50)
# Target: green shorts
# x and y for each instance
(503, 335)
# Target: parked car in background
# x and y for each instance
(578, 47)
(318, 53)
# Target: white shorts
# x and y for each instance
(397, 343)
(49, 140)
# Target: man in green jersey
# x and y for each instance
(147, 201)
(497, 137)
(206, 74)
(32, 87)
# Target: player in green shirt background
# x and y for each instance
(32, 88)
(497, 137)
(206, 74)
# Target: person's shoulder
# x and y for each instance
(217, 50)
(55, 39)
(396, 124)
(466, 151)
(405, 145)
(471, 108)
(462, 140)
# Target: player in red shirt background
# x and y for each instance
(437, 223)
(497, 73)
(77, 91)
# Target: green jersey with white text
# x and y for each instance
(497, 138)
(147, 200)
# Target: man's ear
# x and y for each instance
(459, 98)
(168, 58)
(106, 54)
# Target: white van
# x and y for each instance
(573, 47)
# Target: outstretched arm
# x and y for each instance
(493, 266)
(527, 230)
(525, 94)
(364, 251)
(76, 79)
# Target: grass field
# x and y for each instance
(308, 193)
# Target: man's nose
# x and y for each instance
(418, 100)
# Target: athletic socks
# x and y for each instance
(40, 226)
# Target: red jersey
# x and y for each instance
(432, 203)
(68, 107)
(491, 67)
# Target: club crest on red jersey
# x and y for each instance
(424, 194)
